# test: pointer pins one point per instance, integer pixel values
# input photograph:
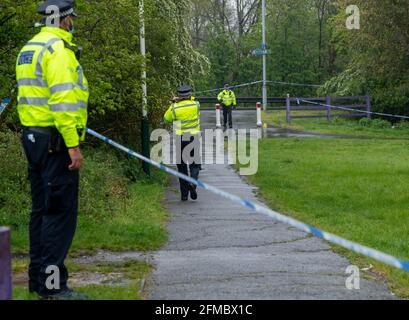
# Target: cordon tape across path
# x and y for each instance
(357, 248)
(354, 110)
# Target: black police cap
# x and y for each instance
(66, 8)
(184, 90)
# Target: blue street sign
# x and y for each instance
(259, 52)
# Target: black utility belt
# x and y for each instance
(50, 130)
(42, 130)
(56, 142)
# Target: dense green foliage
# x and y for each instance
(308, 43)
(109, 33)
(209, 42)
(298, 40)
(376, 56)
(114, 212)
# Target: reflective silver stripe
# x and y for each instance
(81, 79)
(189, 121)
(193, 127)
(173, 111)
(33, 101)
(32, 83)
(82, 104)
(187, 106)
(37, 44)
(68, 107)
(39, 68)
(67, 87)
(62, 87)
(63, 107)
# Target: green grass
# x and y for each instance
(338, 126)
(357, 189)
(120, 209)
(134, 272)
(137, 224)
(115, 213)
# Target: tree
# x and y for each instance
(376, 56)
(109, 35)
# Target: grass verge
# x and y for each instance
(116, 213)
(120, 210)
(356, 189)
(339, 126)
(116, 281)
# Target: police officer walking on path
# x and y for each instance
(52, 105)
(228, 100)
(184, 113)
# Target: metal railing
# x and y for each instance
(330, 107)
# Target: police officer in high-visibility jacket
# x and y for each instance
(228, 100)
(52, 105)
(184, 113)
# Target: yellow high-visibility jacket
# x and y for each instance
(227, 97)
(186, 117)
(52, 88)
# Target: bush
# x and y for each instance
(15, 200)
(365, 122)
(338, 121)
(381, 124)
(103, 183)
(403, 125)
(375, 123)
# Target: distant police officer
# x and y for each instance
(52, 105)
(184, 113)
(228, 100)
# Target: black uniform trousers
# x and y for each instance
(54, 190)
(183, 166)
(228, 116)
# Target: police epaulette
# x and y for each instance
(76, 50)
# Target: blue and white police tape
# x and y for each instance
(292, 84)
(366, 251)
(261, 81)
(231, 87)
(354, 110)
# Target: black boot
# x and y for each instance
(66, 294)
(193, 192)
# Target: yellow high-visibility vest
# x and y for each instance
(186, 117)
(227, 97)
(52, 88)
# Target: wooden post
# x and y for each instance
(288, 108)
(368, 106)
(5, 265)
(328, 103)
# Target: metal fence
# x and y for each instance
(328, 108)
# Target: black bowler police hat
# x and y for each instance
(185, 91)
(65, 7)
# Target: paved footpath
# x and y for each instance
(219, 250)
